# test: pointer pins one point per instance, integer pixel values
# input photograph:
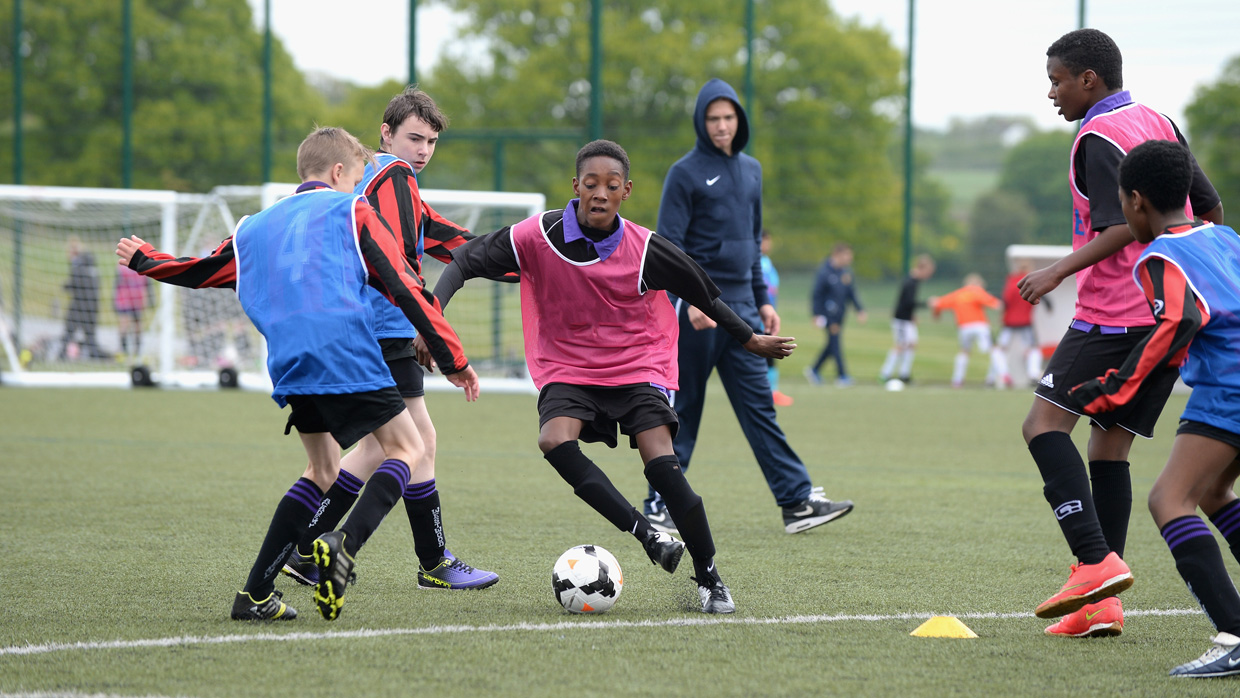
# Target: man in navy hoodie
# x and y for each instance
(712, 209)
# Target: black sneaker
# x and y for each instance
(301, 568)
(270, 608)
(335, 573)
(662, 521)
(816, 510)
(716, 598)
(1223, 659)
(664, 550)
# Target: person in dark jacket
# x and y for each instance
(712, 209)
(833, 291)
(83, 313)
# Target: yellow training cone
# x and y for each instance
(943, 626)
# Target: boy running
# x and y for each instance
(410, 130)
(969, 303)
(600, 343)
(1190, 276)
(899, 362)
(1084, 68)
(300, 269)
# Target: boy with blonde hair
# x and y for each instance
(969, 303)
(300, 269)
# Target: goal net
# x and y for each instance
(71, 316)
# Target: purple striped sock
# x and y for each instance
(307, 493)
(1227, 519)
(395, 469)
(1185, 528)
(420, 490)
(349, 482)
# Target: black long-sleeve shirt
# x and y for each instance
(666, 268)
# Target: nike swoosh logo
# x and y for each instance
(808, 510)
(1234, 661)
(711, 182)
(1090, 616)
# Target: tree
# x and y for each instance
(999, 219)
(823, 89)
(1036, 169)
(198, 100)
(1214, 122)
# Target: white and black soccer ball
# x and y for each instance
(587, 579)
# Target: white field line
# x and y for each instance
(187, 640)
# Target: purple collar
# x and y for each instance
(572, 232)
(312, 184)
(1106, 104)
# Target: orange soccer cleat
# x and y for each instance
(1087, 584)
(781, 399)
(1101, 619)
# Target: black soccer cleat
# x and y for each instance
(335, 573)
(816, 510)
(716, 598)
(270, 608)
(301, 568)
(664, 550)
(1222, 659)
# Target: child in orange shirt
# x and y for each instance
(969, 303)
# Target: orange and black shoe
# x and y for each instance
(1087, 584)
(270, 608)
(1102, 619)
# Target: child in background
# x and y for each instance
(1018, 326)
(771, 276)
(969, 303)
(904, 323)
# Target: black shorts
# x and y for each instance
(1188, 426)
(348, 416)
(634, 408)
(1083, 356)
(400, 358)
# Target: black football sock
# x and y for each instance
(592, 486)
(1227, 521)
(382, 493)
(292, 515)
(1199, 562)
(1111, 484)
(425, 520)
(664, 474)
(337, 501)
(1067, 491)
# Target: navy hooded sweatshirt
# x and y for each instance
(712, 207)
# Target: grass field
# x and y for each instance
(131, 517)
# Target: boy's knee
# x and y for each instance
(548, 443)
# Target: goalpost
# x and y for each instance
(70, 316)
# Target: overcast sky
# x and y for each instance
(972, 57)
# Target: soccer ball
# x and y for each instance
(586, 579)
(895, 385)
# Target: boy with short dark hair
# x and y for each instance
(1092, 508)
(408, 135)
(1190, 276)
(833, 291)
(300, 269)
(600, 343)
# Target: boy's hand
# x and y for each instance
(468, 380)
(1039, 283)
(422, 354)
(770, 318)
(700, 320)
(770, 347)
(126, 248)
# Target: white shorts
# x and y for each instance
(1022, 335)
(975, 334)
(904, 333)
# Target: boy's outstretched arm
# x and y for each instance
(217, 270)
(668, 268)
(1177, 317)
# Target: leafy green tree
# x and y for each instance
(1037, 170)
(1214, 122)
(823, 89)
(198, 95)
(999, 219)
